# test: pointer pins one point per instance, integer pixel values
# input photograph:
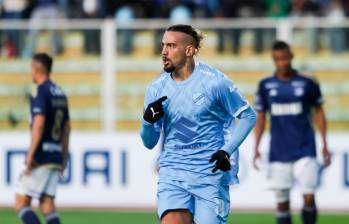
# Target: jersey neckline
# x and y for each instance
(191, 77)
(294, 76)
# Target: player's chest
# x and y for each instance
(287, 92)
(189, 100)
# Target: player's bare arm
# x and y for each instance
(65, 144)
(37, 132)
(258, 131)
(320, 121)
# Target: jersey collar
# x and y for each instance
(295, 74)
(191, 77)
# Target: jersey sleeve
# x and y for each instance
(148, 97)
(260, 99)
(230, 98)
(67, 115)
(39, 102)
(315, 96)
(247, 120)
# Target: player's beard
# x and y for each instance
(169, 68)
(168, 65)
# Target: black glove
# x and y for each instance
(222, 161)
(154, 111)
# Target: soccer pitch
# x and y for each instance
(8, 216)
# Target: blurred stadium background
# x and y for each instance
(107, 51)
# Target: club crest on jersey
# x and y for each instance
(232, 88)
(56, 91)
(273, 92)
(299, 91)
(198, 98)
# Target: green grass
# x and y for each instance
(110, 217)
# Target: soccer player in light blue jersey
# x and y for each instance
(193, 103)
(289, 98)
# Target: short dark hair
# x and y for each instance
(45, 60)
(191, 31)
(280, 45)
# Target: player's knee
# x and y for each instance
(47, 205)
(22, 201)
(46, 208)
(309, 200)
(283, 198)
(177, 217)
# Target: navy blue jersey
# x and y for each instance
(51, 102)
(289, 104)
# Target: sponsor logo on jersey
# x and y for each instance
(184, 130)
(51, 147)
(59, 102)
(271, 85)
(280, 109)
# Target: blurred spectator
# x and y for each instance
(277, 8)
(73, 9)
(124, 16)
(125, 11)
(93, 9)
(202, 8)
(239, 9)
(310, 9)
(336, 15)
(180, 15)
(346, 9)
(273, 9)
(297, 7)
(313, 9)
(44, 11)
(176, 10)
(64, 7)
(13, 10)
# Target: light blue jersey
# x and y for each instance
(234, 158)
(196, 113)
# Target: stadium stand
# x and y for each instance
(80, 76)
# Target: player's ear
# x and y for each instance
(190, 50)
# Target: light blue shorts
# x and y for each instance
(209, 204)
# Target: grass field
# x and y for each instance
(111, 217)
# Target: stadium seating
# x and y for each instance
(79, 75)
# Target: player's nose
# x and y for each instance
(164, 51)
